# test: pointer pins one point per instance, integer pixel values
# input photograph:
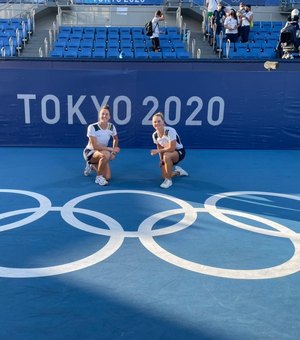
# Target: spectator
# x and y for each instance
(240, 12)
(218, 19)
(231, 24)
(155, 27)
(97, 153)
(211, 6)
(245, 23)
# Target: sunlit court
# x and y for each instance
(147, 192)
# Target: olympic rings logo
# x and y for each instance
(147, 234)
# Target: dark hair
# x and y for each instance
(105, 107)
(234, 13)
(158, 13)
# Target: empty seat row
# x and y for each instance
(117, 55)
(112, 30)
(109, 42)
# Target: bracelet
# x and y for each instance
(113, 153)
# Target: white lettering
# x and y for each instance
(96, 103)
(56, 115)
(26, 98)
(127, 103)
(74, 109)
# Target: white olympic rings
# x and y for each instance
(146, 233)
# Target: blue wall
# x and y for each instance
(211, 104)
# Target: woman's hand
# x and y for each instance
(154, 152)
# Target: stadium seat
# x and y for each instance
(57, 53)
(89, 30)
(112, 53)
(99, 53)
(141, 54)
(85, 53)
(126, 54)
(100, 43)
(113, 44)
(70, 54)
(182, 55)
(169, 55)
(155, 55)
(87, 43)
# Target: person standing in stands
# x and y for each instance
(239, 13)
(211, 6)
(245, 20)
(155, 28)
(97, 153)
(231, 24)
(218, 19)
(169, 148)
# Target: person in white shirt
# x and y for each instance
(246, 20)
(231, 24)
(169, 148)
(97, 153)
(155, 27)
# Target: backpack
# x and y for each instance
(149, 28)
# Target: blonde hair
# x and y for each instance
(160, 115)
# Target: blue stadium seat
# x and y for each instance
(101, 30)
(268, 53)
(177, 43)
(99, 53)
(125, 31)
(172, 30)
(139, 42)
(254, 53)
(87, 42)
(88, 35)
(57, 53)
(63, 35)
(61, 43)
(70, 53)
(126, 54)
(113, 36)
(100, 43)
(155, 55)
(126, 44)
(85, 53)
(113, 30)
(112, 53)
(169, 55)
(137, 30)
(89, 30)
(141, 54)
(74, 42)
(113, 44)
(182, 54)
(65, 29)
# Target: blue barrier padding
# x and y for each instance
(225, 105)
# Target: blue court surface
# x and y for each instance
(216, 256)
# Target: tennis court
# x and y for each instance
(216, 256)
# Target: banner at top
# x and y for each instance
(118, 2)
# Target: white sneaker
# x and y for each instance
(101, 180)
(87, 170)
(181, 171)
(166, 183)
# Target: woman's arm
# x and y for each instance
(170, 147)
(97, 146)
